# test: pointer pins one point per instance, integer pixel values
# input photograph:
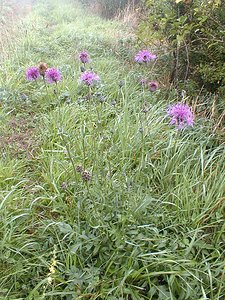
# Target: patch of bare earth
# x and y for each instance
(20, 139)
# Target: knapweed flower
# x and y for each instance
(42, 67)
(145, 108)
(86, 176)
(53, 75)
(153, 86)
(113, 102)
(84, 57)
(79, 169)
(89, 78)
(121, 84)
(143, 81)
(32, 73)
(144, 56)
(181, 115)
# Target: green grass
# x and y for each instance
(150, 223)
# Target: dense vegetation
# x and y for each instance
(195, 33)
(101, 198)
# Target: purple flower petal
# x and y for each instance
(32, 73)
(143, 81)
(84, 57)
(89, 78)
(144, 56)
(153, 86)
(181, 115)
(53, 75)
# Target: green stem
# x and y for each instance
(69, 154)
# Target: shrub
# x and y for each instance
(195, 32)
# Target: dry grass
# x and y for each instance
(130, 16)
(10, 15)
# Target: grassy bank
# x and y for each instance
(146, 219)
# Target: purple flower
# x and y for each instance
(144, 56)
(84, 57)
(32, 73)
(143, 81)
(89, 78)
(53, 75)
(153, 86)
(181, 115)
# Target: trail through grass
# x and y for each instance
(146, 218)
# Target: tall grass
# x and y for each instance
(150, 222)
(107, 8)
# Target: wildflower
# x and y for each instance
(120, 84)
(24, 97)
(42, 67)
(49, 279)
(86, 176)
(84, 57)
(52, 268)
(102, 99)
(153, 86)
(143, 81)
(32, 73)
(64, 186)
(79, 169)
(145, 109)
(89, 78)
(53, 75)
(113, 102)
(144, 56)
(181, 115)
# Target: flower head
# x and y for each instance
(53, 75)
(143, 81)
(121, 84)
(32, 73)
(84, 57)
(86, 176)
(153, 86)
(42, 67)
(144, 56)
(181, 115)
(79, 169)
(89, 78)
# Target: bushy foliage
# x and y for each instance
(108, 8)
(195, 32)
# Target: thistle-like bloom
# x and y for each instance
(42, 67)
(144, 56)
(32, 73)
(181, 115)
(153, 86)
(53, 75)
(89, 78)
(86, 176)
(121, 84)
(79, 169)
(84, 57)
(143, 81)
